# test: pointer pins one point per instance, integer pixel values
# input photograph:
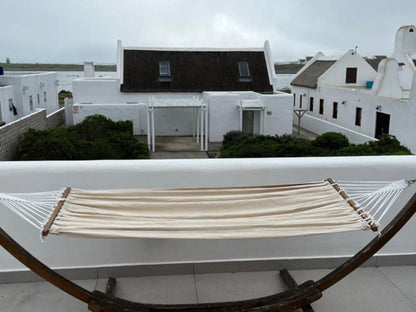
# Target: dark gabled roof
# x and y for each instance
(374, 62)
(194, 71)
(309, 77)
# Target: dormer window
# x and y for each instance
(164, 71)
(244, 71)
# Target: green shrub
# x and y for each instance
(328, 144)
(331, 141)
(232, 137)
(97, 137)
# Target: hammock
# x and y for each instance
(214, 213)
(369, 200)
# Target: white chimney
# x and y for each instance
(89, 70)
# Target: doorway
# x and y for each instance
(382, 124)
(248, 122)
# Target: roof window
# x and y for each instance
(411, 30)
(164, 71)
(244, 71)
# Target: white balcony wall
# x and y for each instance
(67, 252)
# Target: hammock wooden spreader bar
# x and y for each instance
(298, 296)
(209, 213)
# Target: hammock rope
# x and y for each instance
(371, 199)
(35, 208)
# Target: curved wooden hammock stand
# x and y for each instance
(298, 296)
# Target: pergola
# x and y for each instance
(199, 118)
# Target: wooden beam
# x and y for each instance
(42, 270)
(372, 247)
(291, 283)
(55, 212)
(286, 301)
(111, 287)
(353, 204)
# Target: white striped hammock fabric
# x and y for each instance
(208, 213)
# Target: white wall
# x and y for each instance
(115, 112)
(278, 113)
(79, 252)
(168, 121)
(401, 111)
(224, 113)
(336, 74)
(26, 85)
(6, 114)
(404, 51)
(319, 126)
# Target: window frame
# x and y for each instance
(311, 104)
(164, 76)
(335, 110)
(351, 75)
(243, 77)
(31, 103)
(321, 106)
(358, 116)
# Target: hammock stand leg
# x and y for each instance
(291, 283)
(289, 300)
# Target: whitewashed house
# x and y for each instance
(346, 95)
(21, 94)
(184, 92)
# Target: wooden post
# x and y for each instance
(111, 286)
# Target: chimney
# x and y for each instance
(89, 70)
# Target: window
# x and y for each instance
(321, 106)
(294, 99)
(411, 30)
(164, 71)
(38, 99)
(244, 71)
(300, 99)
(44, 96)
(358, 112)
(12, 107)
(31, 102)
(311, 104)
(335, 110)
(351, 75)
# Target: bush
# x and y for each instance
(97, 137)
(331, 141)
(232, 137)
(328, 144)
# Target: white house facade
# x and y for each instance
(22, 94)
(356, 99)
(181, 92)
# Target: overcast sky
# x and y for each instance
(72, 31)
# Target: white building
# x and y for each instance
(347, 95)
(201, 92)
(21, 94)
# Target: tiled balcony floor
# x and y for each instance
(375, 289)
